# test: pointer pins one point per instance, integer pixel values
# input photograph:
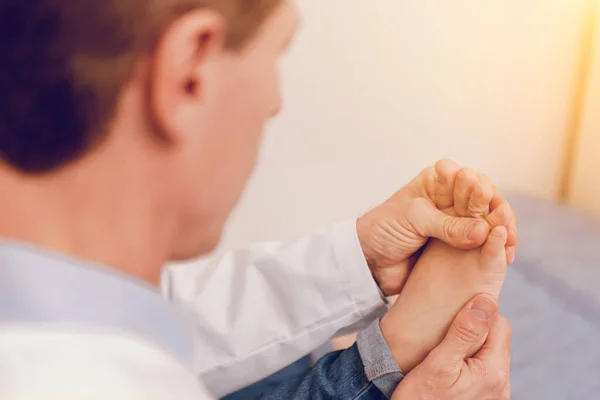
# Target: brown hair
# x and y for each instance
(63, 64)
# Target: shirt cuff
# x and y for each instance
(358, 279)
(380, 367)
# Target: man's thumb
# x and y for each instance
(469, 330)
(459, 232)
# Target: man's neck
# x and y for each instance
(90, 213)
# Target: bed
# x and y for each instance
(552, 297)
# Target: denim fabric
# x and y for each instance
(297, 369)
(376, 365)
(338, 375)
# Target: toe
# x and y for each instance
(494, 247)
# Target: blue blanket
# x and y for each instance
(552, 297)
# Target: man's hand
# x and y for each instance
(447, 373)
(392, 234)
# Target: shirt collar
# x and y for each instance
(37, 286)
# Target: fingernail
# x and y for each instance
(483, 308)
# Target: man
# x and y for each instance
(127, 133)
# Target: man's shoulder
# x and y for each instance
(72, 362)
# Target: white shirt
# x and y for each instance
(74, 330)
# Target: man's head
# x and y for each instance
(183, 87)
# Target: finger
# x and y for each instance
(468, 331)
(466, 181)
(483, 192)
(497, 347)
(461, 233)
(494, 247)
(446, 171)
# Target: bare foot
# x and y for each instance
(445, 279)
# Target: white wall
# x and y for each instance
(377, 89)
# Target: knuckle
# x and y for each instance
(466, 332)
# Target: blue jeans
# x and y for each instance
(297, 369)
(338, 375)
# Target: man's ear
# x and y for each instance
(178, 67)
